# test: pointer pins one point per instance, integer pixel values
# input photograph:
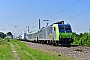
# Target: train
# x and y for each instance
(56, 34)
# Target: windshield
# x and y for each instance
(64, 28)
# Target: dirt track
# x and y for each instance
(14, 51)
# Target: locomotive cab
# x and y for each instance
(62, 33)
(65, 33)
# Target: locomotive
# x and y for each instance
(57, 33)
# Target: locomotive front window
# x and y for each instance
(64, 28)
(67, 28)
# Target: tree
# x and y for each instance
(81, 34)
(2, 35)
(9, 33)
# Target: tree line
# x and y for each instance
(81, 39)
(3, 35)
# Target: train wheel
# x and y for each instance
(50, 42)
(45, 41)
(54, 43)
(57, 43)
(27, 40)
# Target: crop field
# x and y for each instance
(17, 50)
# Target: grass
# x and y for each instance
(34, 54)
(21, 52)
(5, 51)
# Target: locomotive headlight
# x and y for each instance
(60, 36)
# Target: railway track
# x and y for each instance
(47, 43)
(74, 51)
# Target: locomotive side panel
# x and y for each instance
(45, 33)
(40, 35)
(49, 32)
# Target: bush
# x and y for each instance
(1, 41)
(6, 39)
(81, 39)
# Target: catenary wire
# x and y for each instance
(51, 7)
(64, 9)
(78, 14)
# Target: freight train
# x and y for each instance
(57, 33)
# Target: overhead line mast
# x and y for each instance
(39, 24)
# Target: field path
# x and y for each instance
(14, 51)
(26, 52)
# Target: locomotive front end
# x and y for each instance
(65, 34)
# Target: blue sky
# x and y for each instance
(22, 13)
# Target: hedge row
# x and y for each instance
(81, 39)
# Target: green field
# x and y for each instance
(6, 52)
(27, 53)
